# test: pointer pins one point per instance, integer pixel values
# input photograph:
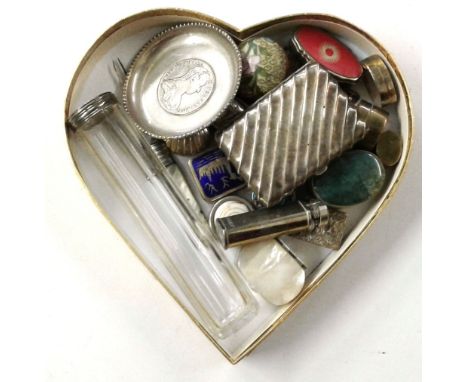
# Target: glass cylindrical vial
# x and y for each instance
(191, 254)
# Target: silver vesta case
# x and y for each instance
(294, 131)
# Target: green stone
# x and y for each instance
(353, 178)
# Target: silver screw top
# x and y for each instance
(92, 109)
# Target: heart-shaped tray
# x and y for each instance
(123, 40)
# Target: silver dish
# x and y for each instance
(182, 80)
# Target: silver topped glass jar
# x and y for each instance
(146, 188)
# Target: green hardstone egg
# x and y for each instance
(264, 65)
(353, 178)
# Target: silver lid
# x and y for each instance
(235, 202)
(182, 80)
(379, 81)
(91, 110)
(320, 213)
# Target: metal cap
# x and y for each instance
(320, 214)
(92, 110)
(374, 117)
(378, 81)
(228, 206)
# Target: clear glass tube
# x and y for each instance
(191, 254)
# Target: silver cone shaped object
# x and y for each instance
(294, 131)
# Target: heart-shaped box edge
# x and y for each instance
(242, 34)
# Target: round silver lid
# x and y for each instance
(91, 110)
(228, 206)
(182, 80)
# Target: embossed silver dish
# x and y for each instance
(182, 80)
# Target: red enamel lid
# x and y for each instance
(319, 46)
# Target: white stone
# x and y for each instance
(271, 271)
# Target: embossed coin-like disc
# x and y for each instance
(182, 80)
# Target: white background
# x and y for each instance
(81, 307)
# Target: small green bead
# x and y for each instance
(353, 178)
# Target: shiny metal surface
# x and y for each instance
(228, 199)
(92, 110)
(320, 214)
(182, 80)
(378, 81)
(294, 131)
(329, 235)
(191, 145)
(375, 117)
(268, 223)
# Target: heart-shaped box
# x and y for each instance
(94, 76)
